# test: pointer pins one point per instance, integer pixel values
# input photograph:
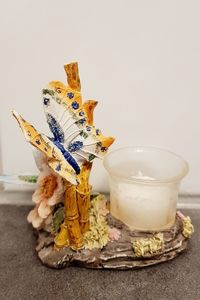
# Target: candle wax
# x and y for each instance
(144, 206)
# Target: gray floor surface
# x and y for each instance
(22, 276)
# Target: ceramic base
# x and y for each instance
(116, 254)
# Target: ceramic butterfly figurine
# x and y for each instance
(75, 139)
(74, 143)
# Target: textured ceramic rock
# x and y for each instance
(116, 254)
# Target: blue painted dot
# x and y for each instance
(38, 142)
(98, 132)
(103, 149)
(88, 128)
(81, 121)
(46, 101)
(75, 105)
(70, 95)
(58, 167)
(81, 113)
(73, 147)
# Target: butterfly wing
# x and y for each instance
(55, 157)
(71, 125)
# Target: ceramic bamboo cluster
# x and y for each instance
(69, 153)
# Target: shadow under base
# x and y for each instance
(116, 254)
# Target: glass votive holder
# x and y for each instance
(144, 186)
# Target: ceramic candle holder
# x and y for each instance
(74, 224)
(144, 186)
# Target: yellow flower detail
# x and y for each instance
(97, 235)
(148, 245)
(188, 228)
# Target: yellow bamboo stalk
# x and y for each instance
(70, 233)
(72, 217)
(83, 196)
(83, 189)
(89, 107)
(62, 238)
(73, 76)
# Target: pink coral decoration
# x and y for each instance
(179, 213)
(114, 234)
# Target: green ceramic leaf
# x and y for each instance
(58, 218)
(28, 178)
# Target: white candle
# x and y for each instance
(144, 207)
(144, 185)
